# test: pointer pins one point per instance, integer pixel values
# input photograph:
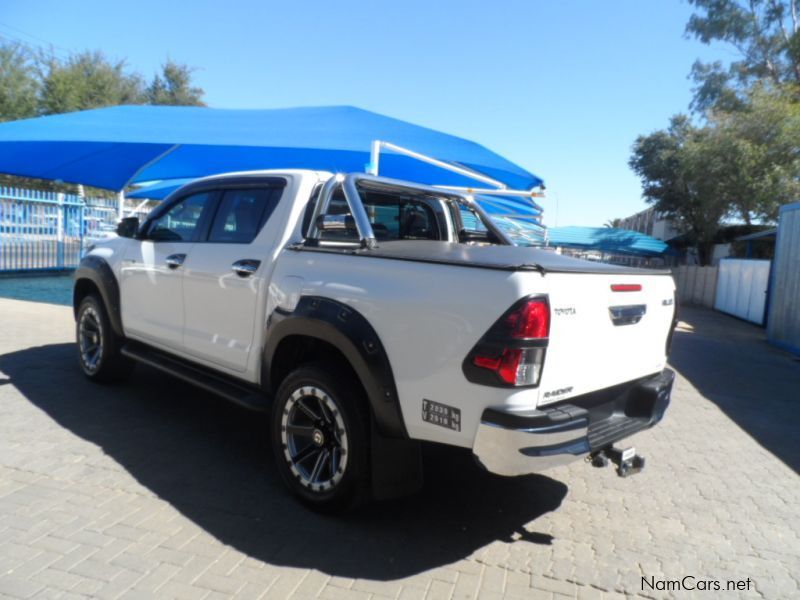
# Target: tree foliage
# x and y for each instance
(174, 87)
(757, 152)
(741, 158)
(86, 80)
(673, 164)
(33, 84)
(764, 35)
(19, 86)
(741, 164)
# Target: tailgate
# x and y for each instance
(600, 337)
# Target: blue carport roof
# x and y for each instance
(495, 206)
(606, 239)
(117, 146)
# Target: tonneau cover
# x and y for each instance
(505, 258)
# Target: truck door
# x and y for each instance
(151, 277)
(226, 275)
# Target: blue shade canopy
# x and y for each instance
(605, 239)
(114, 147)
(493, 205)
(158, 190)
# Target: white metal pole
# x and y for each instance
(374, 157)
(121, 205)
(444, 165)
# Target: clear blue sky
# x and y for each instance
(560, 87)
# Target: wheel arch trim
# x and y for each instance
(349, 331)
(98, 272)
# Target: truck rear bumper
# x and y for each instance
(522, 442)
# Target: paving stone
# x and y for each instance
(440, 590)
(19, 588)
(332, 592)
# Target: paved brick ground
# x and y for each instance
(156, 490)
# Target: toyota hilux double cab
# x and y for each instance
(369, 315)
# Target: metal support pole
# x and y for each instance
(374, 158)
(375, 151)
(60, 231)
(121, 205)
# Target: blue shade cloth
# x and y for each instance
(606, 239)
(493, 205)
(158, 190)
(118, 146)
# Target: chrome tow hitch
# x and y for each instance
(627, 461)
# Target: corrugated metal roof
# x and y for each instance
(606, 239)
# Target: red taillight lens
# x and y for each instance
(515, 366)
(512, 351)
(626, 287)
(530, 321)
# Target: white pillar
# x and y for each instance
(121, 205)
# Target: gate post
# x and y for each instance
(60, 230)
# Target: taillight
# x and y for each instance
(530, 321)
(512, 352)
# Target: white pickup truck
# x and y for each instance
(369, 314)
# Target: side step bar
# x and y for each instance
(217, 383)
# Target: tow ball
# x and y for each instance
(627, 461)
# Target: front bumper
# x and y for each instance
(522, 442)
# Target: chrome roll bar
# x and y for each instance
(349, 185)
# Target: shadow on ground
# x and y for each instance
(758, 386)
(49, 288)
(211, 461)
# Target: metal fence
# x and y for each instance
(696, 285)
(742, 287)
(50, 231)
(783, 324)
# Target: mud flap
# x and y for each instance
(396, 467)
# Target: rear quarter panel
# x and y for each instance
(428, 318)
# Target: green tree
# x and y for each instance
(19, 85)
(755, 153)
(87, 80)
(764, 35)
(674, 166)
(174, 87)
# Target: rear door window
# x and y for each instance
(242, 213)
(392, 218)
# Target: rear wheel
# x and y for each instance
(98, 345)
(320, 437)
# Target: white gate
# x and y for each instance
(742, 288)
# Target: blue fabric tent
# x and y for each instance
(115, 147)
(605, 239)
(157, 190)
(495, 206)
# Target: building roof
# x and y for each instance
(606, 239)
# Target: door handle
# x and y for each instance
(245, 267)
(175, 260)
(627, 315)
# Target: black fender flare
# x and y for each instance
(98, 271)
(349, 331)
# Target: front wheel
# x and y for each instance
(320, 437)
(98, 345)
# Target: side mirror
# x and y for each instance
(337, 223)
(467, 236)
(128, 227)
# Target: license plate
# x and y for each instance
(441, 415)
(628, 454)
